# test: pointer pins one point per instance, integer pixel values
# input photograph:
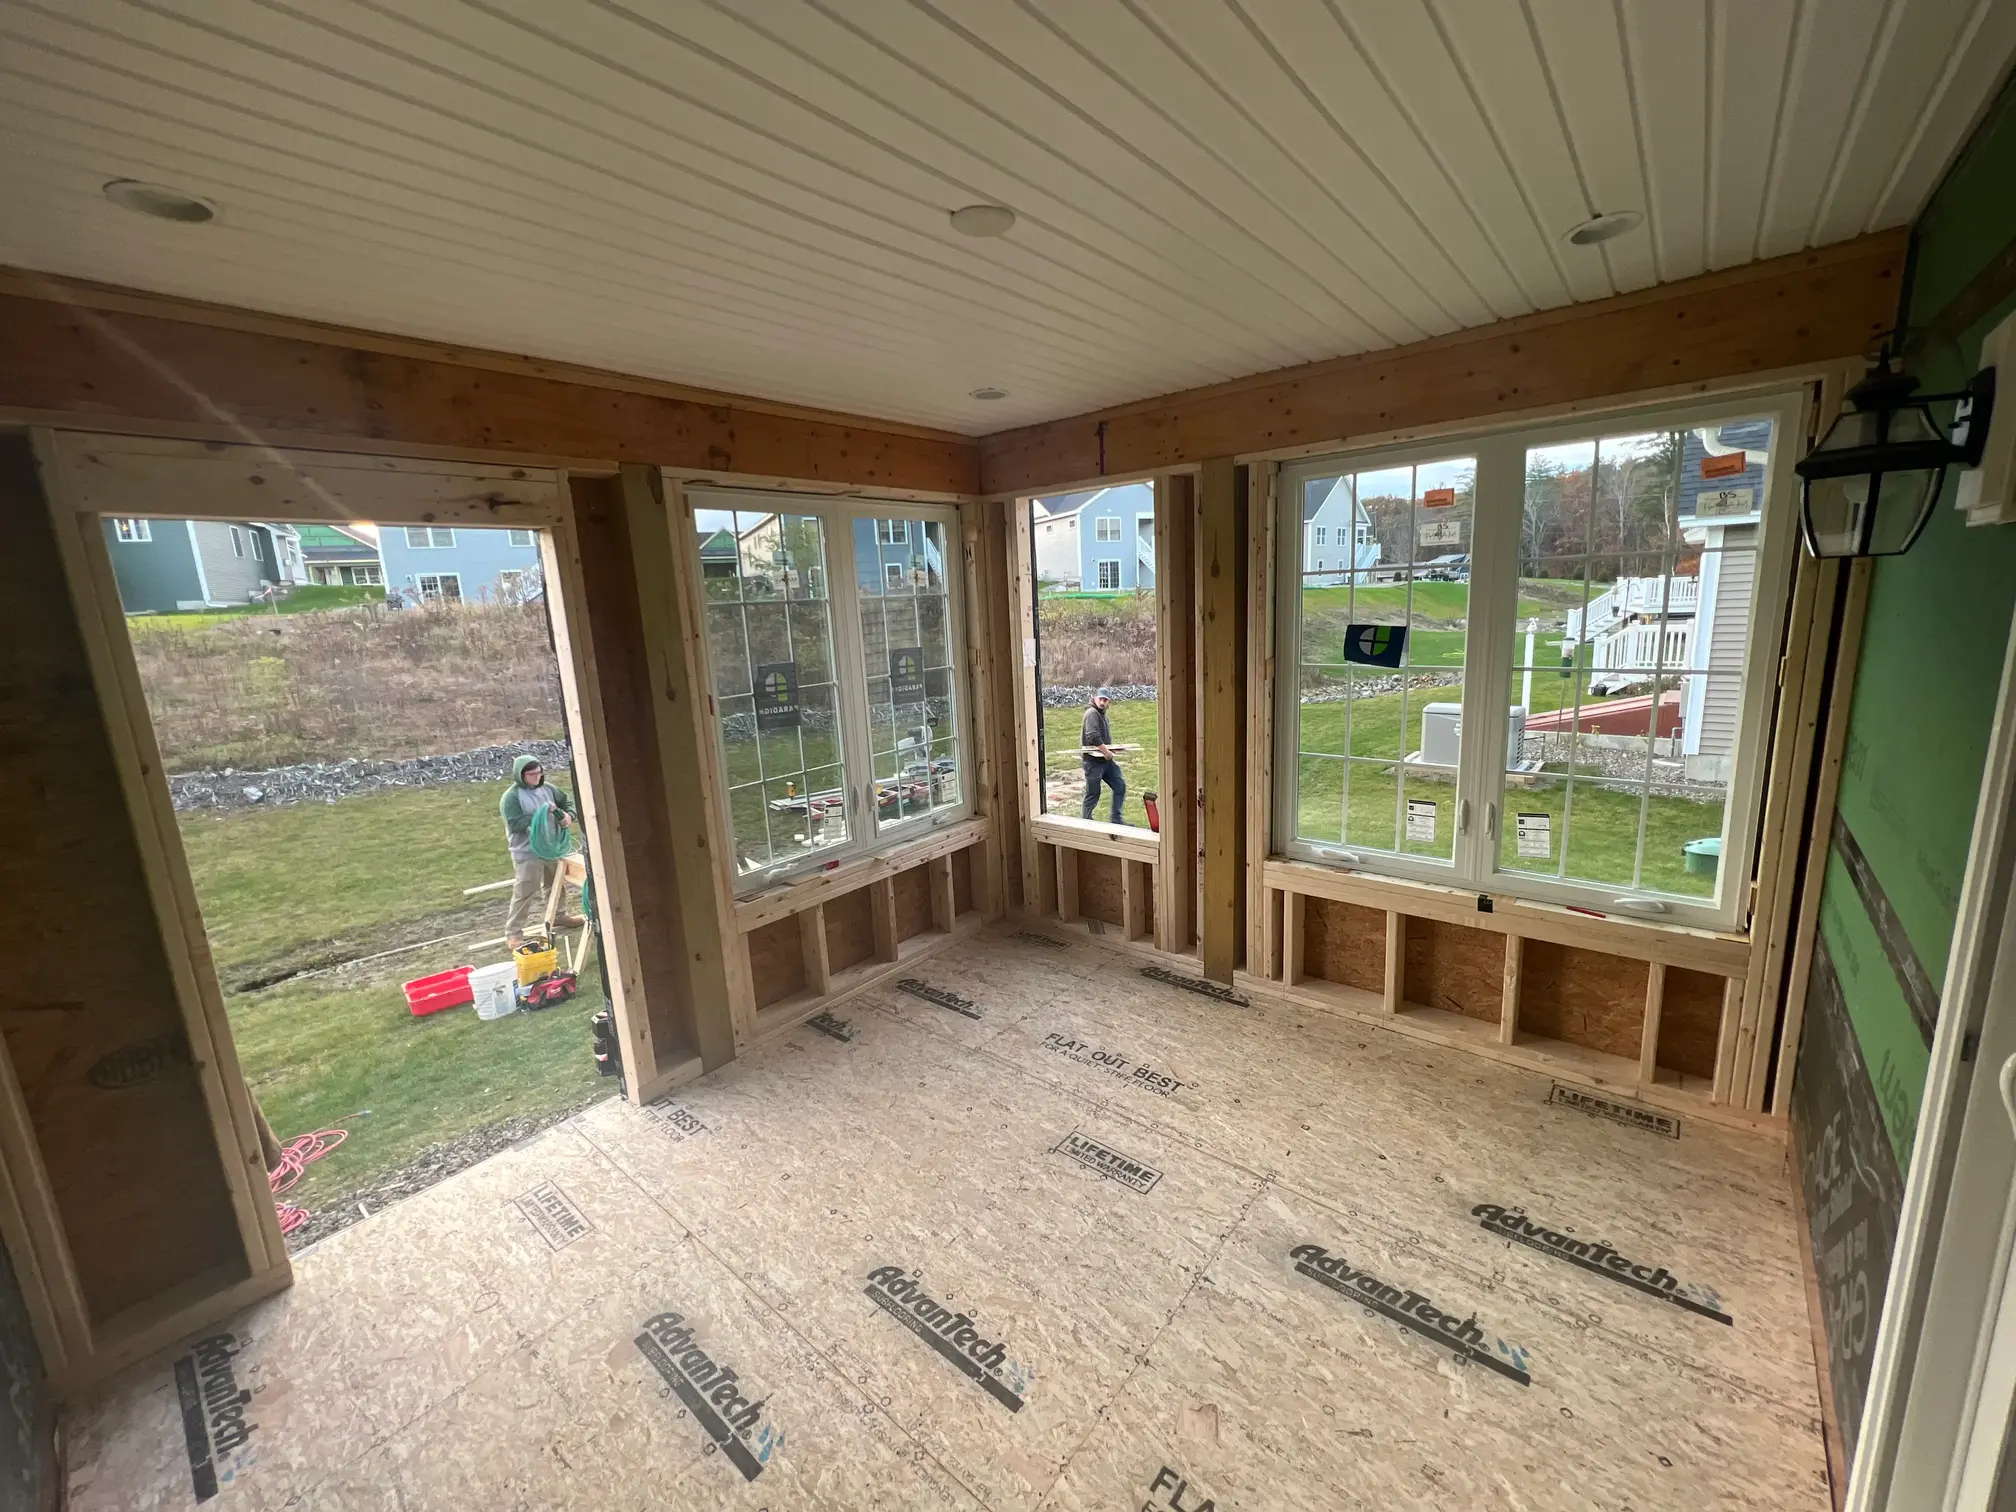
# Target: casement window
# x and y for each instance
(831, 651)
(1109, 574)
(237, 542)
(430, 538)
(439, 587)
(519, 537)
(1106, 528)
(1556, 682)
(133, 530)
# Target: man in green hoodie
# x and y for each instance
(531, 878)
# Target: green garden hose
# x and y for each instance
(549, 839)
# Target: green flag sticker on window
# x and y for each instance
(1375, 645)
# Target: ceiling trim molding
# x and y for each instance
(96, 358)
(1807, 308)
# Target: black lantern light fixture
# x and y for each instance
(1869, 486)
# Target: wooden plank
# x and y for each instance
(794, 897)
(1394, 989)
(1820, 833)
(1583, 997)
(1508, 1011)
(1067, 883)
(1454, 968)
(1221, 549)
(1725, 1045)
(1801, 310)
(850, 931)
(983, 683)
(1137, 883)
(69, 363)
(1648, 1037)
(944, 903)
(914, 906)
(1345, 943)
(812, 945)
(1259, 780)
(1091, 835)
(998, 891)
(1677, 945)
(961, 863)
(718, 994)
(1028, 717)
(778, 964)
(882, 910)
(1176, 690)
(1294, 936)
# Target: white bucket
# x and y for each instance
(496, 989)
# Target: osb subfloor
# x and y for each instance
(1141, 1327)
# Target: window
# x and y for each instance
(1109, 574)
(516, 537)
(429, 538)
(831, 643)
(368, 576)
(133, 530)
(511, 586)
(1555, 683)
(1106, 528)
(258, 546)
(1322, 532)
(439, 587)
(237, 542)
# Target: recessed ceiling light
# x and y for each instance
(989, 393)
(983, 220)
(1602, 228)
(160, 202)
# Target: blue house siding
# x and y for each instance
(157, 575)
(1126, 505)
(475, 557)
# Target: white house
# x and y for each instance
(1337, 537)
(1100, 540)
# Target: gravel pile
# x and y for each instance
(232, 789)
(1078, 698)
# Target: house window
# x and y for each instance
(133, 530)
(429, 538)
(237, 542)
(439, 587)
(1591, 733)
(1322, 535)
(1109, 574)
(1106, 528)
(258, 546)
(830, 647)
(518, 537)
(367, 575)
(511, 586)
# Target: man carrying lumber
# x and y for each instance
(1095, 742)
(531, 875)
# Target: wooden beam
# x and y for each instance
(882, 914)
(1067, 882)
(1784, 313)
(105, 359)
(669, 616)
(1396, 963)
(1221, 549)
(944, 905)
(1137, 880)
(1508, 1008)
(1259, 783)
(1294, 936)
(1176, 688)
(983, 703)
(1028, 717)
(812, 940)
(1725, 1040)
(1648, 1036)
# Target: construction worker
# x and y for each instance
(1095, 739)
(531, 878)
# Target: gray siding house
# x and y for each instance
(165, 565)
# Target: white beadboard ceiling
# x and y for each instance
(752, 195)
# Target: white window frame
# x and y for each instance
(131, 531)
(868, 835)
(237, 542)
(419, 587)
(1099, 575)
(1481, 799)
(894, 574)
(359, 580)
(1099, 535)
(430, 537)
(510, 582)
(519, 538)
(1321, 532)
(258, 544)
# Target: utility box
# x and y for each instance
(1442, 735)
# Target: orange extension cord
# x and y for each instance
(295, 1157)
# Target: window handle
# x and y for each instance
(1490, 821)
(1639, 905)
(2004, 1081)
(1349, 858)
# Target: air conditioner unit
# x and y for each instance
(1442, 734)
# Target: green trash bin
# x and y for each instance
(1702, 857)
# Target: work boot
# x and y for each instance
(513, 941)
(569, 921)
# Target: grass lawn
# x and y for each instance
(283, 888)
(305, 599)
(1134, 722)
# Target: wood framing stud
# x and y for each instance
(1221, 549)
(1508, 1012)
(1396, 963)
(882, 914)
(1137, 880)
(1648, 1039)
(1067, 883)
(812, 940)
(1294, 936)
(943, 907)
